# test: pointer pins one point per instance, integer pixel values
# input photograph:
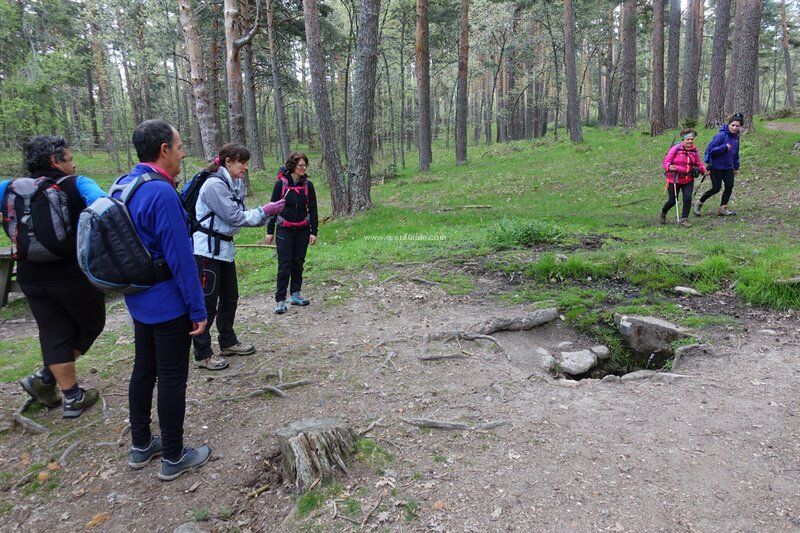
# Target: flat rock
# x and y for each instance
(544, 359)
(602, 352)
(191, 527)
(668, 377)
(639, 374)
(611, 378)
(574, 363)
(689, 356)
(771, 332)
(688, 291)
(565, 344)
(648, 335)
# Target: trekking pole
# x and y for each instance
(677, 211)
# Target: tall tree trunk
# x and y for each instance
(657, 120)
(359, 156)
(747, 63)
(629, 64)
(402, 75)
(137, 117)
(787, 59)
(671, 118)
(280, 114)
(573, 104)
(144, 71)
(234, 72)
(327, 132)
(214, 74)
(691, 71)
(731, 82)
(251, 111)
(203, 110)
(102, 89)
(716, 92)
(423, 86)
(461, 87)
(92, 109)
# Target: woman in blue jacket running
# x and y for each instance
(724, 162)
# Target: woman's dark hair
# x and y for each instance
(236, 152)
(686, 131)
(736, 117)
(41, 149)
(148, 138)
(295, 158)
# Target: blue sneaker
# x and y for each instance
(296, 299)
(280, 308)
(141, 457)
(190, 460)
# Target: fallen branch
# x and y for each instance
(25, 479)
(255, 493)
(440, 357)
(26, 423)
(295, 384)
(266, 388)
(70, 433)
(63, 459)
(434, 424)
(372, 510)
(371, 426)
(490, 425)
(476, 207)
(343, 517)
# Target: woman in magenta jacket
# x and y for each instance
(683, 164)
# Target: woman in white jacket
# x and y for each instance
(220, 211)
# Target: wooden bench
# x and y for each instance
(7, 282)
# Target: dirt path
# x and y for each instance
(782, 126)
(716, 450)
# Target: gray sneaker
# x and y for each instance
(212, 363)
(190, 459)
(726, 212)
(280, 308)
(47, 395)
(698, 205)
(239, 349)
(141, 457)
(75, 407)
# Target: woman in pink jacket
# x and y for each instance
(683, 164)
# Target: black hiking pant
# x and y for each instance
(162, 358)
(718, 177)
(686, 190)
(292, 245)
(221, 294)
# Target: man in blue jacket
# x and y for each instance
(168, 314)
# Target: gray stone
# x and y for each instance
(768, 332)
(611, 378)
(544, 359)
(668, 377)
(521, 323)
(648, 335)
(192, 527)
(688, 291)
(602, 352)
(565, 344)
(639, 374)
(686, 355)
(574, 363)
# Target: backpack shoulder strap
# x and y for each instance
(130, 188)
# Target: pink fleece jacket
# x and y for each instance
(683, 159)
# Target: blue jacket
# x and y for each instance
(161, 221)
(721, 157)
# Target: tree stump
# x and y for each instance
(312, 448)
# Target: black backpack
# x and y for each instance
(36, 218)
(110, 251)
(189, 195)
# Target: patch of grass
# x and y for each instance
(225, 513)
(309, 501)
(687, 341)
(439, 457)
(18, 358)
(416, 476)
(351, 507)
(510, 233)
(576, 267)
(370, 452)
(454, 284)
(5, 508)
(411, 510)
(700, 321)
(200, 514)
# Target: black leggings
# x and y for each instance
(162, 356)
(686, 190)
(221, 293)
(292, 245)
(718, 177)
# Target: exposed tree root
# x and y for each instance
(448, 425)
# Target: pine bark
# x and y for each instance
(787, 58)
(359, 158)
(629, 65)
(573, 104)
(92, 109)
(423, 87)
(280, 114)
(102, 89)
(673, 65)
(203, 109)
(248, 80)
(731, 82)
(689, 107)
(657, 99)
(747, 63)
(233, 64)
(215, 53)
(719, 55)
(461, 87)
(327, 132)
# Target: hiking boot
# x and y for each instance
(698, 205)
(296, 299)
(75, 407)
(239, 349)
(725, 212)
(212, 363)
(190, 459)
(662, 218)
(34, 385)
(141, 457)
(685, 223)
(280, 308)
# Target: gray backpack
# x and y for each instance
(110, 251)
